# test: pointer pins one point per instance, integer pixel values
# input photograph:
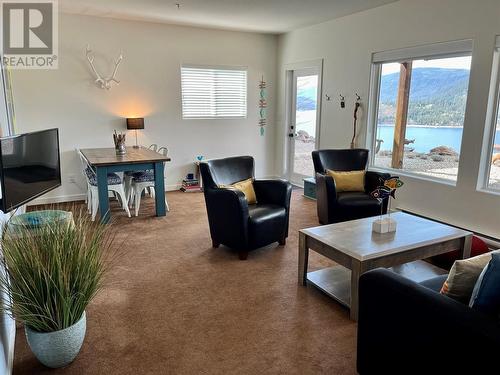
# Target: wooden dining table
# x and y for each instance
(105, 160)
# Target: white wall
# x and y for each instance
(86, 115)
(346, 45)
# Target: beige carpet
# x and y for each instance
(174, 305)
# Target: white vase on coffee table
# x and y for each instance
(384, 225)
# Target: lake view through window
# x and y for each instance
(421, 109)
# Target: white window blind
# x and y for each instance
(213, 92)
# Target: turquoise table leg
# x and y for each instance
(159, 189)
(102, 188)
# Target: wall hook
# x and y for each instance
(342, 101)
(358, 98)
(328, 97)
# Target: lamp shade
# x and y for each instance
(135, 123)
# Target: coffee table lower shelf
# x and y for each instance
(336, 281)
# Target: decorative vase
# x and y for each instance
(384, 225)
(119, 140)
(120, 149)
(59, 348)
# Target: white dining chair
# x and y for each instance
(115, 185)
(88, 197)
(127, 178)
(145, 180)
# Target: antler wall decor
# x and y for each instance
(104, 83)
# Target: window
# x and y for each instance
(212, 93)
(419, 97)
(491, 156)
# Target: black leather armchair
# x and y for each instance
(409, 328)
(335, 207)
(235, 223)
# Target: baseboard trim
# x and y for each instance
(79, 197)
(492, 242)
(57, 199)
(173, 187)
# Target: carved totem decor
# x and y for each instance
(262, 106)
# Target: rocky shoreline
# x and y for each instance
(434, 165)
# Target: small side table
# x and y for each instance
(310, 188)
(198, 174)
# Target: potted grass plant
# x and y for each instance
(52, 273)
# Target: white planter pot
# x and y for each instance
(59, 348)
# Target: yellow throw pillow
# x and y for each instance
(246, 186)
(348, 181)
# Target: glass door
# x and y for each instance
(304, 119)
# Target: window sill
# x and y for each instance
(490, 191)
(416, 176)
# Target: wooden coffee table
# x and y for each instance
(357, 249)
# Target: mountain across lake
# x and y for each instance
(437, 96)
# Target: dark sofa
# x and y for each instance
(409, 328)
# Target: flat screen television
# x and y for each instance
(30, 166)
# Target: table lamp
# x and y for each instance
(135, 124)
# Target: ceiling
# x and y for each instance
(266, 16)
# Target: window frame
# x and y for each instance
(215, 67)
(443, 50)
(492, 113)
